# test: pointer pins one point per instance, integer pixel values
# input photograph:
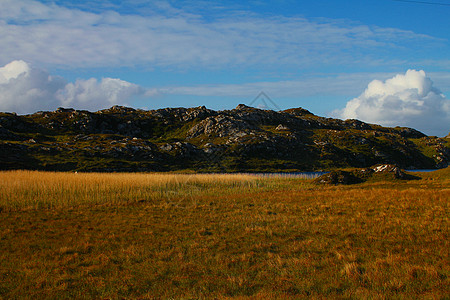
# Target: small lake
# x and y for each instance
(313, 175)
(422, 170)
(305, 175)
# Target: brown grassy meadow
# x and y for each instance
(152, 236)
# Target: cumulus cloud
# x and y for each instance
(164, 36)
(92, 94)
(24, 89)
(408, 99)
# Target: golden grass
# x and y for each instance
(33, 189)
(161, 236)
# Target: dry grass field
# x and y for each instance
(180, 236)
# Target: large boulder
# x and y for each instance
(395, 170)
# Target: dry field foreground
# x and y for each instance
(65, 235)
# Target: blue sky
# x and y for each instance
(320, 55)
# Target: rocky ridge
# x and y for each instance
(200, 139)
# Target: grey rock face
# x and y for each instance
(183, 137)
(221, 126)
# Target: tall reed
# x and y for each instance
(33, 189)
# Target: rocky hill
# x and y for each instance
(199, 139)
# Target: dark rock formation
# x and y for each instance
(378, 172)
(338, 177)
(243, 139)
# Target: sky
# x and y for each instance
(379, 61)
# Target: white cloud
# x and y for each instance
(408, 99)
(165, 36)
(13, 70)
(92, 94)
(24, 89)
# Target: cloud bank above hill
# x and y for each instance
(24, 89)
(408, 99)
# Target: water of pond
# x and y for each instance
(312, 175)
(422, 170)
(306, 175)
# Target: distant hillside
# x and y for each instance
(198, 139)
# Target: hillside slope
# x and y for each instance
(200, 139)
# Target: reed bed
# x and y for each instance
(33, 189)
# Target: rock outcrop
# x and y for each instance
(378, 172)
(242, 139)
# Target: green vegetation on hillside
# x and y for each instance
(244, 139)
